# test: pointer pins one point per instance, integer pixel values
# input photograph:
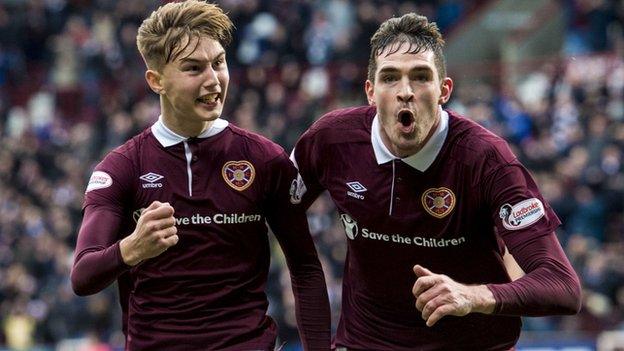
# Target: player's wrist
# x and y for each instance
(483, 298)
(128, 253)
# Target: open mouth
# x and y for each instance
(209, 99)
(406, 118)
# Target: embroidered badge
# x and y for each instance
(238, 174)
(438, 202)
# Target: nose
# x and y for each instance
(405, 93)
(210, 78)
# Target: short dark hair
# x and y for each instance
(413, 29)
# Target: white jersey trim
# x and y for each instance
(420, 160)
(166, 137)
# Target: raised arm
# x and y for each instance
(550, 285)
(526, 225)
(100, 259)
(97, 257)
(103, 252)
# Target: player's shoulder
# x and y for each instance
(345, 119)
(133, 146)
(128, 154)
(473, 143)
(342, 123)
(119, 165)
(254, 144)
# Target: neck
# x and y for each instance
(432, 130)
(185, 129)
(188, 129)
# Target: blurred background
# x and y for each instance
(547, 75)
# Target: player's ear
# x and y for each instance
(369, 87)
(154, 80)
(446, 89)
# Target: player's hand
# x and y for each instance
(437, 296)
(155, 232)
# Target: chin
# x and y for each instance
(209, 117)
(406, 145)
(405, 140)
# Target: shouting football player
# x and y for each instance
(420, 191)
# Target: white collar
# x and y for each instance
(420, 160)
(166, 137)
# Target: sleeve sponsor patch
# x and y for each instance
(99, 180)
(521, 215)
(297, 189)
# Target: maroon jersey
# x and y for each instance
(451, 208)
(207, 291)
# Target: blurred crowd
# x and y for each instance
(72, 88)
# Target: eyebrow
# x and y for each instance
(196, 60)
(391, 69)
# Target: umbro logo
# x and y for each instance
(151, 179)
(356, 188)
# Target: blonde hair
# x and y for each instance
(169, 30)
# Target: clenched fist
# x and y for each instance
(155, 232)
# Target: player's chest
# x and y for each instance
(197, 184)
(396, 198)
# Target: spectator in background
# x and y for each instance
(196, 280)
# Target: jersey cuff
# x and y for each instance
(119, 259)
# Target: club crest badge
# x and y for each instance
(438, 202)
(238, 174)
